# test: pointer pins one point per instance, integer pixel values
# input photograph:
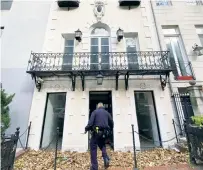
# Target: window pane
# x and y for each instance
(104, 41)
(199, 30)
(201, 39)
(6, 4)
(94, 49)
(169, 31)
(68, 50)
(69, 42)
(163, 3)
(94, 41)
(177, 58)
(131, 49)
(131, 45)
(104, 49)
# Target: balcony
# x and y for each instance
(129, 2)
(107, 64)
(148, 63)
(68, 3)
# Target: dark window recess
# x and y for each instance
(129, 2)
(69, 3)
(6, 5)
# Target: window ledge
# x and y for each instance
(184, 78)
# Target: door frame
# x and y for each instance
(109, 91)
(155, 111)
(44, 116)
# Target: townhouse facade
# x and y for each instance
(100, 51)
(179, 25)
(134, 56)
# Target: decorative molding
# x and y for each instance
(144, 86)
(99, 9)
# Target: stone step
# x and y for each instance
(181, 147)
(183, 140)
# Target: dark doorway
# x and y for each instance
(147, 120)
(186, 103)
(53, 118)
(106, 98)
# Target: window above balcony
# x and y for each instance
(68, 3)
(129, 2)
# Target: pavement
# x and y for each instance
(19, 152)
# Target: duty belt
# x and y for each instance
(100, 131)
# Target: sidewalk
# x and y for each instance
(19, 152)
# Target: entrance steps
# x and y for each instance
(181, 145)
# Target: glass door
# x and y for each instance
(131, 49)
(176, 55)
(147, 119)
(99, 53)
(68, 55)
(99, 48)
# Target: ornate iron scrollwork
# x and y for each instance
(163, 81)
(126, 80)
(119, 63)
(83, 81)
(73, 77)
(117, 75)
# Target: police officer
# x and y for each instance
(99, 123)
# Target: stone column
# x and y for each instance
(196, 97)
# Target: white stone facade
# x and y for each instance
(76, 114)
(137, 21)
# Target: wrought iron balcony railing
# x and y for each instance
(151, 62)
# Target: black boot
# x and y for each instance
(106, 162)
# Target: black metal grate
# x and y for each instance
(195, 141)
(8, 150)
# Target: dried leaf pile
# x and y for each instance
(44, 160)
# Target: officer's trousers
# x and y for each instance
(94, 142)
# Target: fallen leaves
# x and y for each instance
(44, 160)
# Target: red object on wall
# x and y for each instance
(184, 78)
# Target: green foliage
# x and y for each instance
(5, 118)
(198, 120)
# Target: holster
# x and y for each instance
(101, 132)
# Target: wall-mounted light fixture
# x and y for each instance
(120, 34)
(99, 79)
(197, 49)
(78, 35)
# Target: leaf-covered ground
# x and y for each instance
(44, 160)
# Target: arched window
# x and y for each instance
(99, 48)
(100, 32)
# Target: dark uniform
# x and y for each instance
(100, 123)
